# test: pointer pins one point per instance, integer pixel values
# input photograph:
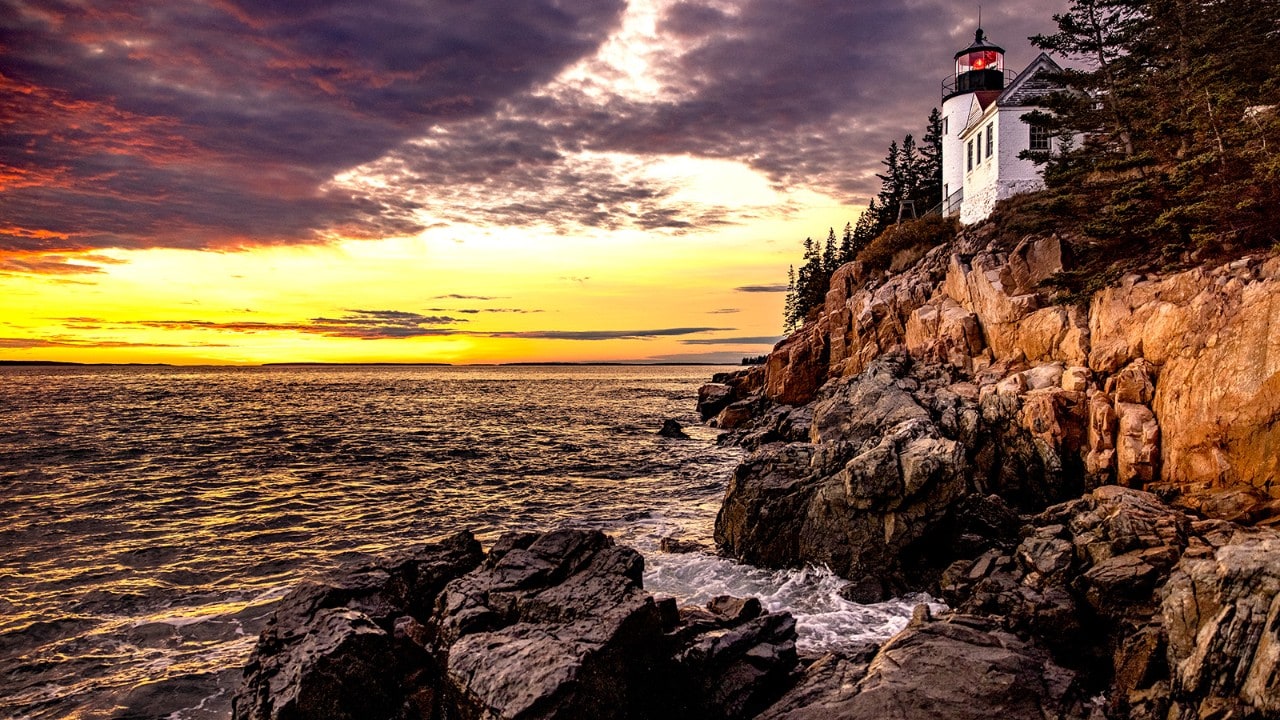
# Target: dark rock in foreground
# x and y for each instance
(960, 668)
(553, 625)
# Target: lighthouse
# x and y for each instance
(989, 151)
(979, 70)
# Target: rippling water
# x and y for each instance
(151, 517)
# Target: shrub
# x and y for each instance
(906, 238)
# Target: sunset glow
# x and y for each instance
(589, 181)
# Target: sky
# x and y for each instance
(463, 181)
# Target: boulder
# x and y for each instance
(712, 398)
(550, 625)
(673, 429)
(957, 668)
(331, 650)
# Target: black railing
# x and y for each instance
(951, 206)
(976, 80)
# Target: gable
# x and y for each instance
(979, 108)
(1032, 83)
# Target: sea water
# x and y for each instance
(150, 518)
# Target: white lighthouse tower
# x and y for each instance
(979, 74)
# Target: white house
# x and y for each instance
(983, 132)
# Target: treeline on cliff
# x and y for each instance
(1177, 103)
(911, 183)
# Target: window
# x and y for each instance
(979, 139)
(970, 154)
(945, 125)
(990, 138)
(1039, 138)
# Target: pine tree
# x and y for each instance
(930, 190)
(910, 169)
(890, 196)
(791, 303)
(847, 251)
(830, 258)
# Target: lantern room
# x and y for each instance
(978, 67)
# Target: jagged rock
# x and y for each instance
(673, 429)
(742, 661)
(330, 650)
(551, 625)
(1222, 613)
(1137, 445)
(798, 365)
(737, 414)
(555, 625)
(958, 668)
(712, 398)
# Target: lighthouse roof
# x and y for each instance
(980, 42)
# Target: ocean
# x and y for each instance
(151, 517)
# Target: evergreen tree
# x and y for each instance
(830, 260)
(847, 250)
(891, 186)
(811, 285)
(929, 193)
(910, 165)
(789, 309)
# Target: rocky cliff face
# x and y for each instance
(951, 429)
(1172, 381)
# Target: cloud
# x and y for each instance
(357, 324)
(69, 342)
(761, 288)
(720, 357)
(235, 123)
(383, 325)
(724, 311)
(769, 340)
(455, 296)
(594, 335)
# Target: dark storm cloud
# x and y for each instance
(222, 123)
(216, 123)
(761, 288)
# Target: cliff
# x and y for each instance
(1170, 382)
(1098, 478)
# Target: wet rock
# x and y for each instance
(712, 398)
(548, 625)
(673, 429)
(680, 546)
(961, 667)
(329, 649)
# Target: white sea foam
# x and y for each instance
(824, 620)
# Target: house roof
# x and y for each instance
(1032, 83)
